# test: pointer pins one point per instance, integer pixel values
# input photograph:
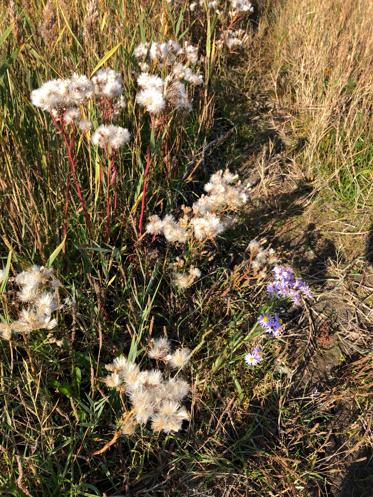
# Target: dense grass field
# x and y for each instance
(253, 130)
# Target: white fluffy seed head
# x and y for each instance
(154, 226)
(46, 304)
(179, 359)
(185, 280)
(146, 81)
(160, 349)
(112, 136)
(152, 99)
(207, 227)
(62, 93)
(107, 83)
(176, 389)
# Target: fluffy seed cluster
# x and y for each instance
(233, 39)
(237, 7)
(110, 136)
(151, 95)
(261, 258)
(63, 93)
(165, 53)
(38, 292)
(208, 217)
(153, 397)
(64, 97)
(186, 279)
(158, 95)
(241, 7)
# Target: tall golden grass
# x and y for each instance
(322, 59)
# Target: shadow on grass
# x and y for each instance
(358, 481)
(369, 247)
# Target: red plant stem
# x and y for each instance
(69, 148)
(114, 184)
(66, 208)
(67, 186)
(108, 202)
(147, 167)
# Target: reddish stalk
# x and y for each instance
(110, 182)
(69, 148)
(66, 207)
(69, 144)
(147, 167)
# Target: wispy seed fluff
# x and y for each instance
(38, 292)
(209, 215)
(152, 397)
(112, 136)
(176, 96)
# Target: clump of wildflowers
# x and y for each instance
(153, 397)
(287, 285)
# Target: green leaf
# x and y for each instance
(105, 58)
(55, 253)
(63, 388)
(5, 35)
(6, 272)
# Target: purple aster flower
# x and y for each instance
(272, 324)
(254, 357)
(286, 285)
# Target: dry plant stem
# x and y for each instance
(147, 167)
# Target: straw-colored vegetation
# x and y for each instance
(154, 340)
